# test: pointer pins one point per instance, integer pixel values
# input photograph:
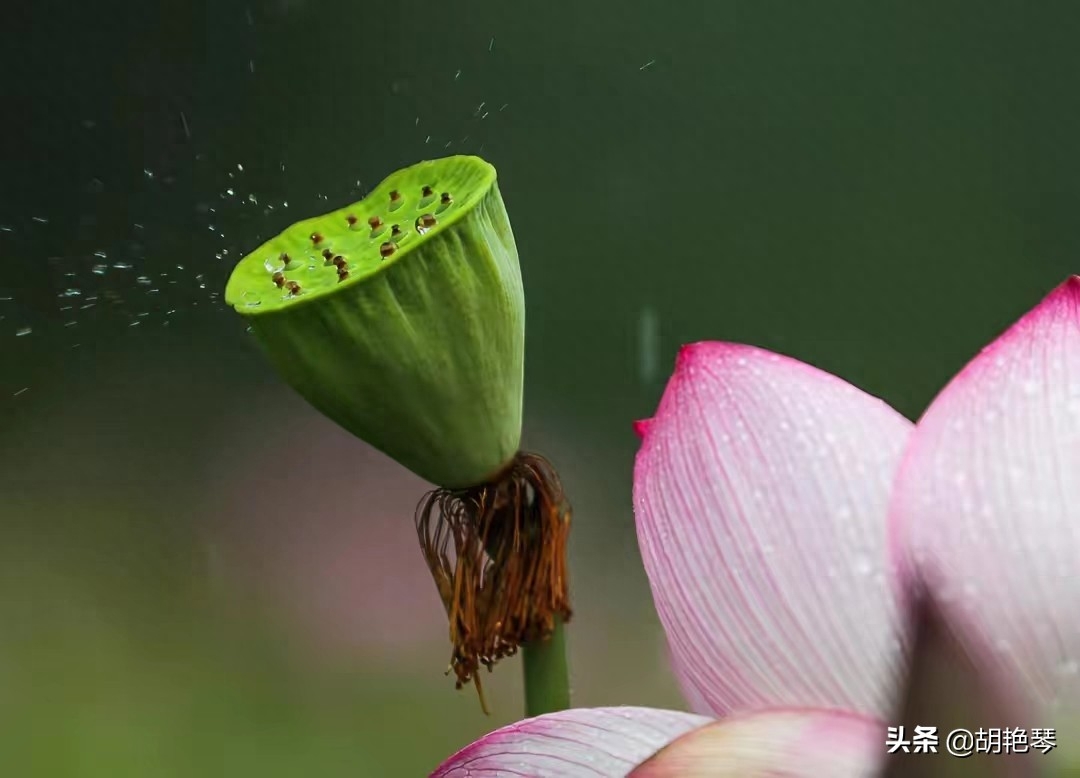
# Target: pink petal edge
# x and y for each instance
(791, 742)
(578, 743)
(985, 502)
(760, 494)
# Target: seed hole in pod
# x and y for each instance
(387, 249)
(317, 238)
(327, 254)
(378, 227)
(396, 201)
(339, 262)
(427, 197)
(293, 287)
(351, 221)
(279, 279)
(395, 231)
(425, 222)
(445, 201)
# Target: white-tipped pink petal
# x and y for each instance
(790, 743)
(760, 492)
(578, 743)
(986, 500)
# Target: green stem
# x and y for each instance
(547, 678)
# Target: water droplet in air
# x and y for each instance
(23, 331)
(648, 344)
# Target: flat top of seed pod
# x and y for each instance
(318, 256)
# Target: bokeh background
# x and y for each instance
(198, 574)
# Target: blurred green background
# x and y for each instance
(201, 576)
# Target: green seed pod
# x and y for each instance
(402, 318)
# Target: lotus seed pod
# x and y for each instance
(412, 336)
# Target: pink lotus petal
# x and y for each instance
(761, 495)
(641, 427)
(987, 500)
(579, 743)
(774, 744)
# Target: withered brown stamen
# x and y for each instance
(497, 553)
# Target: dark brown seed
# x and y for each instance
(279, 279)
(387, 249)
(446, 199)
(427, 221)
(374, 222)
(327, 254)
(316, 238)
(351, 220)
(339, 261)
(294, 288)
(342, 275)
(284, 259)
(395, 196)
(395, 230)
(427, 191)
